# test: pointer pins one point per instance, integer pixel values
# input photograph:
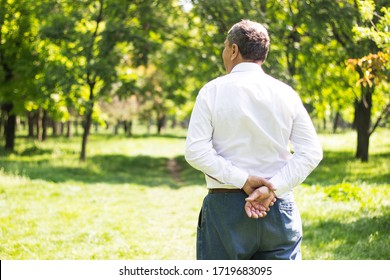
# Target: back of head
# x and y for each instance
(251, 38)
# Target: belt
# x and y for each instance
(216, 190)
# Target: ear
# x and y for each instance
(235, 52)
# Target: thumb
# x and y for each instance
(253, 196)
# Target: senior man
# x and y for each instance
(239, 136)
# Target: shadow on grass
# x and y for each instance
(337, 167)
(142, 136)
(332, 170)
(155, 135)
(188, 174)
(36, 163)
(364, 239)
(111, 169)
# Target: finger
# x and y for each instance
(258, 206)
(261, 215)
(254, 195)
(255, 213)
(248, 211)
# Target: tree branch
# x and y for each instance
(94, 35)
(384, 114)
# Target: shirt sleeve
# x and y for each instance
(199, 152)
(307, 153)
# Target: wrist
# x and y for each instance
(247, 189)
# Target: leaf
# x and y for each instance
(367, 9)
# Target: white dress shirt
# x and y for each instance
(243, 124)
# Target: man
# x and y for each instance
(239, 135)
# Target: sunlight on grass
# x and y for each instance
(125, 202)
(98, 221)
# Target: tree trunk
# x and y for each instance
(76, 126)
(61, 126)
(87, 123)
(125, 127)
(174, 123)
(30, 121)
(363, 122)
(87, 128)
(130, 128)
(160, 123)
(91, 80)
(116, 127)
(69, 131)
(336, 121)
(44, 125)
(57, 128)
(10, 127)
(2, 123)
(38, 123)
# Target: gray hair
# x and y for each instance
(251, 38)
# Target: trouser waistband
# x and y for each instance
(219, 190)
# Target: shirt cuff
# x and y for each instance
(238, 178)
(280, 184)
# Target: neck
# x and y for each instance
(259, 62)
(241, 60)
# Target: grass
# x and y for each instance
(136, 198)
(345, 204)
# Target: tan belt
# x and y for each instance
(226, 191)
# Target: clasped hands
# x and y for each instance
(260, 198)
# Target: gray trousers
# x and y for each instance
(226, 233)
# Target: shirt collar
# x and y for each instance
(247, 67)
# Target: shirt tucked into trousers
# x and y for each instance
(248, 123)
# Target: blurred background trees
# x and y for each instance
(114, 63)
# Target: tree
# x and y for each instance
(19, 61)
(298, 33)
(99, 42)
(120, 111)
(310, 44)
(372, 70)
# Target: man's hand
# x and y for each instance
(261, 196)
(258, 202)
(254, 182)
(252, 209)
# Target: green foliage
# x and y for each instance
(367, 9)
(378, 31)
(310, 42)
(344, 192)
(19, 58)
(162, 53)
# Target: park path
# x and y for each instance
(174, 170)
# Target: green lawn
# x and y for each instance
(136, 198)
